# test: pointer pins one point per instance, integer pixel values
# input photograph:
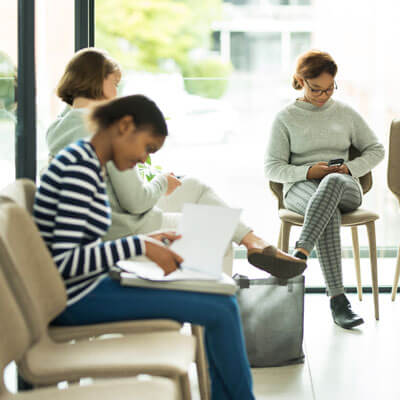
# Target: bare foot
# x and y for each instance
(251, 241)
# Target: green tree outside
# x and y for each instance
(145, 35)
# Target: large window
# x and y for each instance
(54, 48)
(8, 86)
(222, 70)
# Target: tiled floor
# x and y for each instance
(340, 364)
(359, 365)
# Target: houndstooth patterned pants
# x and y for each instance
(321, 203)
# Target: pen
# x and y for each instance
(167, 242)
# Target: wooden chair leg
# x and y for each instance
(396, 276)
(184, 383)
(374, 265)
(280, 237)
(201, 363)
(356, 255)
(286, 226)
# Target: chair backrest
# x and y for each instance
(29, 268)
(22, 192)
(365, 180)
(393, 173)
(14, 334)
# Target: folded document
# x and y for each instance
(206, 233)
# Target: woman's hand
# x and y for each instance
(343, 169)
(165, 258)
(173, 183)
(170, 236)
(321, 169)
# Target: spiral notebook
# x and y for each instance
(206, 234)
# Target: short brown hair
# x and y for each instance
(311, 65)
(84, 75)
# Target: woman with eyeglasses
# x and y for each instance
(308, 152)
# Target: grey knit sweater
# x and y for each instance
(303, 134)
(132, 201)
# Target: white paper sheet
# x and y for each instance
(206, 233)
(151, 271)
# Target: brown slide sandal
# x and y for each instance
(267, 260)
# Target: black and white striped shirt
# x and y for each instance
(72, 212)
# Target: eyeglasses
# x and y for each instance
(319, 92)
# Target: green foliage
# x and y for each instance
(147, 171)
(207, 68)
(144, 34)
(7, 83)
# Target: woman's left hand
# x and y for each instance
(343, 169)
(167, 236)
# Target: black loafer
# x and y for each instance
(342, 313)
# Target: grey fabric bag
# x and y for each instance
(272, 313)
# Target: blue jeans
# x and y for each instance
(229, 366)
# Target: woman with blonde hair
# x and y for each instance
(308, 152)
(139, 207)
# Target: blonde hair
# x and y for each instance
(84, 75)
(311, 65)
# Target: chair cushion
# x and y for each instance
(353, 218)
(66, 333)
(114, 389)
(358, 217)
(167, 354)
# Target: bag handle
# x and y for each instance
(244, 282)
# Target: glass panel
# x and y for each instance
(54, 48)
(230, 74)
(8, 84)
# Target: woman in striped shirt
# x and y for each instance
(72, 212)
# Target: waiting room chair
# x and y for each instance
(352, 219)
(22, 192)
(41, 295)
(393, 177)
(16, 339)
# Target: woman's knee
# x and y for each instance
(335, 179)
(226, 306)
(192, 183)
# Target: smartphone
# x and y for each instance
(336, 162)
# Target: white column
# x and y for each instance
(285, 46)
(226, 45)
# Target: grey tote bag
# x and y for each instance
(272, 313)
